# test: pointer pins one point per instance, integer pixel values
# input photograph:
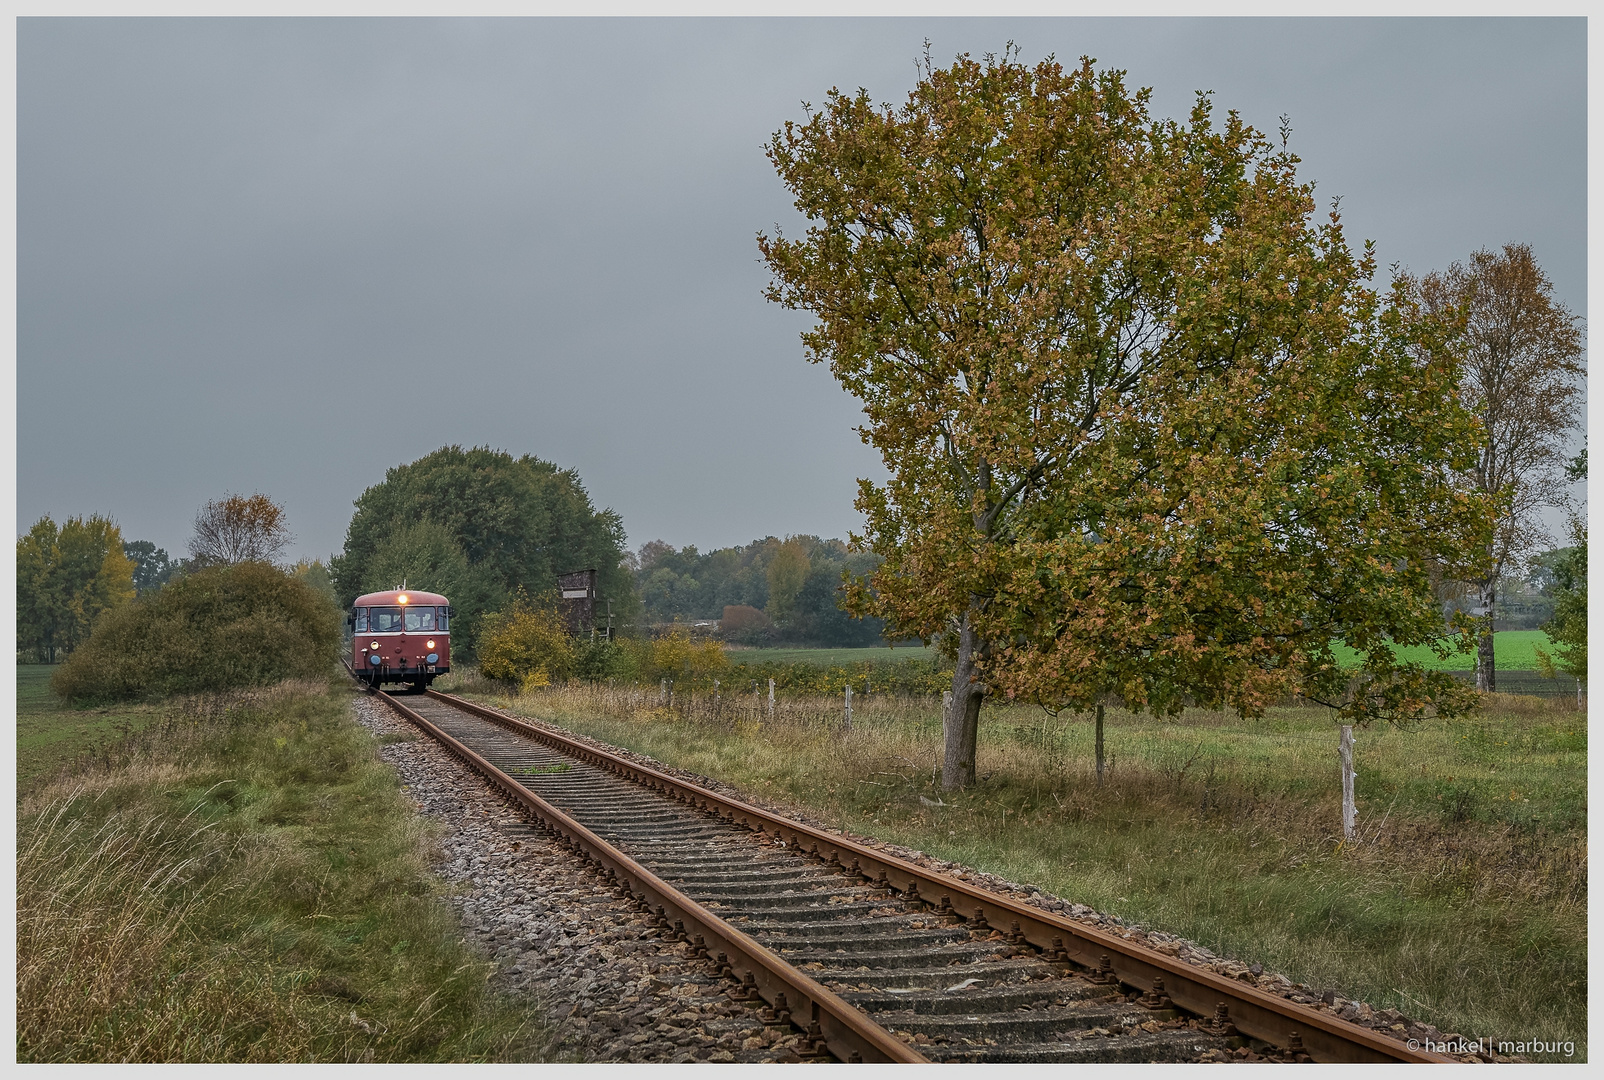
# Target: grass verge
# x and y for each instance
(242, 881)
(50, 736)
(1463, 903)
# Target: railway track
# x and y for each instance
(876, 959)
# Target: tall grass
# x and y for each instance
(94, 920)
(243, 882)
(1461, 903)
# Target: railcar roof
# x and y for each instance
(393, 596)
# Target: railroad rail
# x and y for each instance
(875, 958)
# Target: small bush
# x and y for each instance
(677, 656)
(221, 628)
(528, 645)
(742, 619)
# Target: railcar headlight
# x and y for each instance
(401, 599)
(375, 645)
(433, 658)
(431, 643)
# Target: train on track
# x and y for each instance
(400, 636)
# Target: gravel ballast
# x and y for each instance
(588, 960)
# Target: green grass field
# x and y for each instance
(50, 735)
(1513, 650)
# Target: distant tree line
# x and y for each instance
(770, 591)
(492, 531)
(129, 621)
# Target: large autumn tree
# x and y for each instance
(1151, 437)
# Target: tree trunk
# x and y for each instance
(1486, 672)
(962, 717)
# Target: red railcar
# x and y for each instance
(401, 636)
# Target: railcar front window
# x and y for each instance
(442, 621)
(420, 619)
(384, 620)
(361, 620)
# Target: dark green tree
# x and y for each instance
(152, 566)
(817, 616)
(1568, 628)
(486, 524)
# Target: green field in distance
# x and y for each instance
(1514, 650)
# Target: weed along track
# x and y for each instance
(874, 958)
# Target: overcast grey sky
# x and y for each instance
(285, 255)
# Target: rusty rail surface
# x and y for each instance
(1255, 1013)
(847, 1033)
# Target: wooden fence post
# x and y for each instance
(849, 707)
(1099, 742)
(771, 701)
(1345, 752)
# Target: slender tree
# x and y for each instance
(152, 567)
(236, 529)
(1150, 437)
(1568, 627)
(1520, 354)
(40, 607)
(786, 573)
